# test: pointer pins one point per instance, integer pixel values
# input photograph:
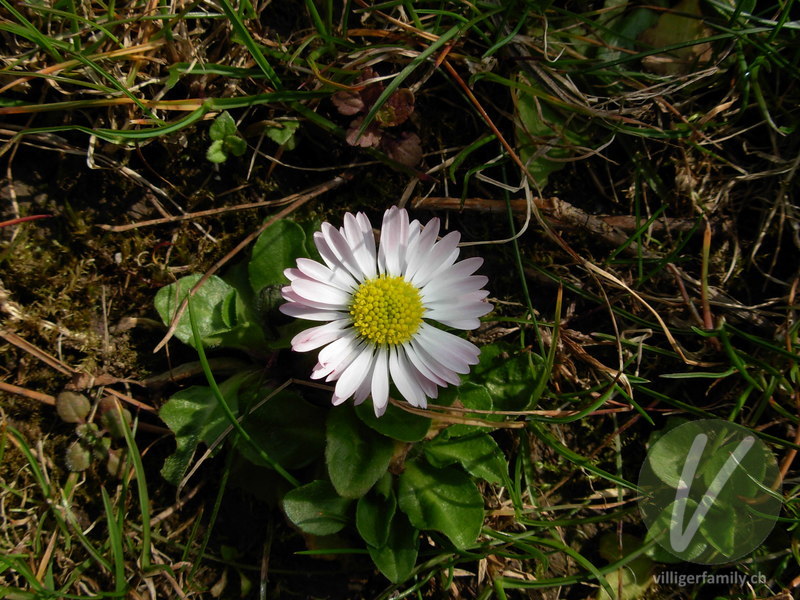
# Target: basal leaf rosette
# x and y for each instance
(381, 305)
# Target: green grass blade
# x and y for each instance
(115, 537)
(241, 30)
(226, 408)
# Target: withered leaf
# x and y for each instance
(405, 149)
(370, 138)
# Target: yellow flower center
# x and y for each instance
(387, 310)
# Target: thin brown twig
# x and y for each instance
(302, 198)
(21, 391)
(625, 223)
(26, 346)
(198, 215)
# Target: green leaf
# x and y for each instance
(235, 145)
(356, 455)
(506, 373)
(216, 152)
(283, 133)
(538, 126)
(444, 500)
(478, 453)
(316, 508)
(395, 422)
(374, 513)
(469, 395)
(223, 318)
(287, 428)
(276, 249)
(396, 559)
(222, 127)
(195, 416)
(635, 577)
(209, 303)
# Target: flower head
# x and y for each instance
(377, 304)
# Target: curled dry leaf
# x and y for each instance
(397, 108)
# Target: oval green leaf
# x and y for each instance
(316, 508)
(444, 500)
(356, 455)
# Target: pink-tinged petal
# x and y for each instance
(404, 378)
(338, 244)
(299, 311)
(353, 376)
(339, 278)
(362, 243)
(442, 256)
(337, 400)
(380, 382)
(394, 237)
(420, 253)
(291, 274)
(321, 292)
(318, 336)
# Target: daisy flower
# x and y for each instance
(378, 305)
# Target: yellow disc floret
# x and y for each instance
(387, 310)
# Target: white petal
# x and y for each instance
(438, 258)
(450, 350)
(365, 387)
(449, 288)
(327, 254)
(289, 294)
(464, 268)
(362, 243)
(421, 365)
(318, 336)
(353, 376)
(339, 278)
(338, 244)
(464, 324)
(299, 311)
(380, 382)
(404, 377)
(457, 312)
(435, 366)
(420, 252)
(316, 291)
(394, 238)
(336, 356)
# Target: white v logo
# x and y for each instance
(678, 537)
